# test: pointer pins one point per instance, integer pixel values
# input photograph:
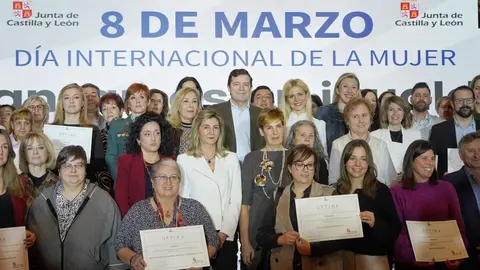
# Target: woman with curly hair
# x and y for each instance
(150, 139)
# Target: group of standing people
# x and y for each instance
(236, 169)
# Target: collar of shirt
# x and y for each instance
(426, 120)
(471, 125)
(234, 107)
(351, 139)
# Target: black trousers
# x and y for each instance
(226, 256)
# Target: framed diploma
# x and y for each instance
(62, 136)
(13, 254)
(175, 248)
(329, 218)
(439, 240)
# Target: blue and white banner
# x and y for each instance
(390, 45)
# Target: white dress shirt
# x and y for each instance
(386, 172)
(241, 123)
(319, 124)
(220, 192)
(397, 150)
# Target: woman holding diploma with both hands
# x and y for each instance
(381, 225)
(165, 209)
(422, 197)
(279, 230)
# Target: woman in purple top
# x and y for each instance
(422, 197)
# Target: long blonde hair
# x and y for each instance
(174, 112)
(11, 179)
(60, 113)
(285, 107)
(194, 144)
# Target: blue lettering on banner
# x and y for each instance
(109, 24)
(240, 22)
(236, 58)
(266, 23)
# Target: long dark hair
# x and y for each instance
(370, 178)
(416, 149)
(168, 146)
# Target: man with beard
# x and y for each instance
(467, 184)
(421, 99)
(449, 133)
(92, 94)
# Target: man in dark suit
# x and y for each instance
(447, 134)
(467, 184)
(241, 119)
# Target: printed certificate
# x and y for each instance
(439, 240)
(175, 248)
(62, 136)
(329, 218)
(13, 254)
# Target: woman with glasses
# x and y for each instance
(165, 208)
(279, 227)
(38, 106)
(208, 168)
(75, 221)
(150, 138)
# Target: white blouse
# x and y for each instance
(219, 191)
(397, 150)
(381, 157)
(319, 124)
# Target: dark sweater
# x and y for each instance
(379, 240)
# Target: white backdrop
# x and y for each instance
(41, 54)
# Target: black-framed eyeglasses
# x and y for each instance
(468, 101)
(301, 166)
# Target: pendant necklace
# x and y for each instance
(209, 160)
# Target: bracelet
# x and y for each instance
(131, 259)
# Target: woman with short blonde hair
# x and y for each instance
(40, 110)
(396, 132)
(185, 107)
(37, 160)
(346, 88)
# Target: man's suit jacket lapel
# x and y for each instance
(466, 193)
(228, 118)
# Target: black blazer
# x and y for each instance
(442, 137)
(225, 110)
(470, 214)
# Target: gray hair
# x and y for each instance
(166, 162)
(317, 144)
(46, 108)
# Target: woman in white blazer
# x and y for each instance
(396, 131)
(358, 116)
(212, 176)
(296, 105)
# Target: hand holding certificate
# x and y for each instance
(13, 254)
(329, 218)
(439, 241)
(175, 248)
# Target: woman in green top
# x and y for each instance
(136, 101)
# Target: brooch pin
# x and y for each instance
(260, 180)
